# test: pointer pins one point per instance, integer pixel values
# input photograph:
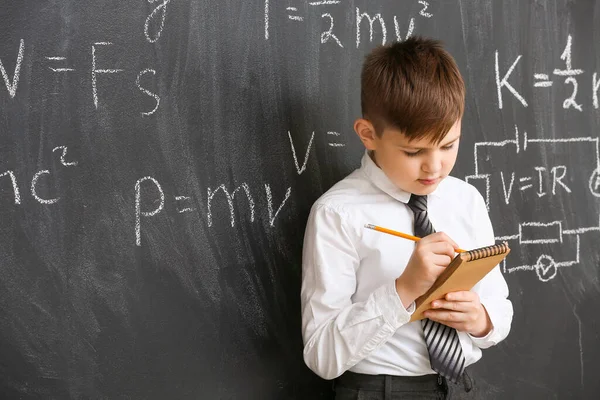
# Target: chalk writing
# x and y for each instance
(272, 216)
(159, 203)
(162, 10)
(99, 71)
(35, 179)
(542, 80)
(56, 58)
(325, 36)
(15, 187)
(376, 22)
(595, 183)
(545, 180)
(12, 84)
(301, 169)
(63, 156)
(146, 91)
(138, 206)
(34, 188)
(335, 144)
(230, 196)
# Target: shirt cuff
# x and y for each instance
(490, 339)
(391, 307)
(482, 340)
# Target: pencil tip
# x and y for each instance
(370, 226)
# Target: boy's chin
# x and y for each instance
(423, 190)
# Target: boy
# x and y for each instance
(358, 285)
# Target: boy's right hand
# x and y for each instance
(431, 256)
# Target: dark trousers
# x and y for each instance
(353, 386)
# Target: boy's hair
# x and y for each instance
(413, 86)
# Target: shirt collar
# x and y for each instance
(381, 181)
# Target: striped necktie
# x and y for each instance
(445, 352)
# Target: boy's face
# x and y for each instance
(416, 166)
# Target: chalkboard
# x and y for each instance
(158, 160)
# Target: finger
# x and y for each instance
(440, 237)
(441, 260)
(434, 271)
(458, 306)
(444, 237)
(437, 237)
(447, 317)
(442, 247)
(464, 295)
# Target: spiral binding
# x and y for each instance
(487, 251)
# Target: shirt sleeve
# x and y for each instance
(492, 289)
(338, 333)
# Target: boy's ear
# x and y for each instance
(366, 132)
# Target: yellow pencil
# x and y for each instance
(400, 234)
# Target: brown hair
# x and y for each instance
(413, 86)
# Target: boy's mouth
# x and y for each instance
(429, 181)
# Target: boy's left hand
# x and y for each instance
(463, 312)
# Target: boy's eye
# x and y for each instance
(416, 153)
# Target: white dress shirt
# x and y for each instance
(352, 316)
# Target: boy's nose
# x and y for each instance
(432, 165)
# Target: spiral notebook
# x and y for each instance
(465, 270)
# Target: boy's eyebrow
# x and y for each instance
(442, 145)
